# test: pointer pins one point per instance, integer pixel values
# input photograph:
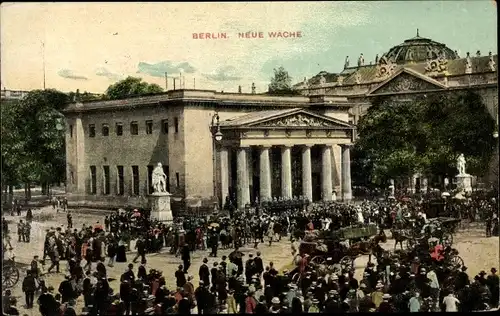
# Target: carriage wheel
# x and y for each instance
(346, 263)
(457, 261)
(10, 277)
(447, 239)
(318, 260)
(411, 243)
(296, 278)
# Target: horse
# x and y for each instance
(399, 237)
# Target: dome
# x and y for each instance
(418, 49)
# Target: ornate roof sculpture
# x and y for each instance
(419, 49)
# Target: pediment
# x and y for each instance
(407, 80)
(302, 119)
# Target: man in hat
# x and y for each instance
(29, 288)
(201, 294)
(204, 272)
(141, 250)
(186, 257)
(249, 268)
(493, 284)
(47, 302)
(180, 276)
(275, 307)
(462, 279)
(259, 265)
(386, 306)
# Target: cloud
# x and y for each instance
(225, 73)
(159, 69)
(103, 72)
(69, 74)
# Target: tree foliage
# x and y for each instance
(131, 87)
(425, 135)
(281, 83)
(33, 138)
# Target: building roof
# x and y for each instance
(262, 118)
(418, 49)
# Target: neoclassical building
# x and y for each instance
(254, 146)
(266, 147)
(413, 69)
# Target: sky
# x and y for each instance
(88, 46)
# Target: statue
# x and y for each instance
(491, 62)
(361, 60)
(461, 164)
(239, 89)
(346, 63)
(322, 80)
(253, 88)
(159, 179)
(468, 64)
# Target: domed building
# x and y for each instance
(419, 49)
(418, 66)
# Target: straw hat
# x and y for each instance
(275, 300)
(386, 296)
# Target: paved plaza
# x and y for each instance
(479, 253)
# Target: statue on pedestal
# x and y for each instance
(159, 179)
(461, 164)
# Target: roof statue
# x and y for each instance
(468, 64)
(346, 63)
(376, 59)
(478, 53)
(340, 80)
(491, 62)
(253, 87)
(361, 60)
(322, 80)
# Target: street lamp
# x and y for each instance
(216, 137)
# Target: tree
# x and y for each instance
(33, 139)
(281, 83)
(131, 87)
(425, 135)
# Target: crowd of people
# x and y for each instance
(236, 286)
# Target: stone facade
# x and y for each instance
(174, 128)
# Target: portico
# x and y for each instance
(283, 153)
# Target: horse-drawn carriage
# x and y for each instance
(412, 233)
(342, 246)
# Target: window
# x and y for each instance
(93, 180)
(149, 127)
(121, 183)
(176, 123)
(91, 130)
(71, 131)
(106, 189)
(167, 184)
(105, 130)
(119, 129)
(150, 179)
(177, 179)
(134, 128)
(164, 126)
(135, 180)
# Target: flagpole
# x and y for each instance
(43, 57)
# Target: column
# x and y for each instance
(243, 190)
(326, 173)
(306, 172)
(265, 174)
(224, 174)
(144, 183)
(81, 169)
(423, 184)
(286, 172)
(346, 172)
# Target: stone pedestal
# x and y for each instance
(464, 182)
(159, 202)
